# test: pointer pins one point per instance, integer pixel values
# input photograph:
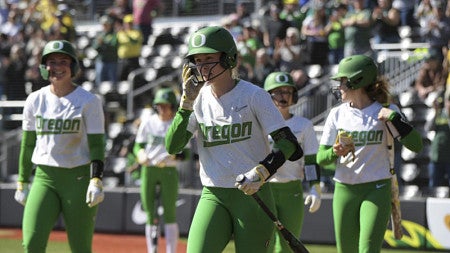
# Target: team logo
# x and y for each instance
(198, 40)
(282, 78)
(57, 45)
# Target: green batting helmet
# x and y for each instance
(360, 71)
(213, 39)
(165, 96)
(280, 79)
(58, 46)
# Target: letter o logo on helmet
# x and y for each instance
(57, 45)
(198, 40)
(282, 78)
(213, 39)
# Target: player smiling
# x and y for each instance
(63, 138)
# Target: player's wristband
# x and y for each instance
(97, 169)
(273, 161)
(403, 128)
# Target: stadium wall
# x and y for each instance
(426, 221)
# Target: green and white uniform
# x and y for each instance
(361, 202)
(61, 136)
(286, 184)
(232, 138)
(160, 170)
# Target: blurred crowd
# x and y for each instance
(284, 35)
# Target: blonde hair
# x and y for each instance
(379, 90)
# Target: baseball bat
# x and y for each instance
(396, 215)
(295, 244)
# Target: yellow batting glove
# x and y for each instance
(251, 181)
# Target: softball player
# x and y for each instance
(231, 119)
(158, 167)
(63, 137)
(362, 196)
(286, 184)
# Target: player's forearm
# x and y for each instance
(96, 144)
(138, 146)
(413, 141)
(177, 135)
(26, 152)
(325, 155)
(286, 142)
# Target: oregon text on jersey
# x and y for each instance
(57, 126)
(220, 135)
(372, 137)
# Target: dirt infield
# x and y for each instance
(104, 243)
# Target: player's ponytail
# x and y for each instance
(379, 91)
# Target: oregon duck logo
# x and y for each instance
(198, 40)
(57, 45)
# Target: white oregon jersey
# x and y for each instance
(232, 131)
(303, 130)
(152, 131)
(61, 125)
(371, 154)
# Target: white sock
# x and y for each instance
(149, 231)
(171, 235)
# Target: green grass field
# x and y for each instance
(13, 246)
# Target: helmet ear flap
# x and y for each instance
(227, 62)
(224, 61)
(44, 72)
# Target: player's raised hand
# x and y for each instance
(251, 181)
(191, 88)
(314, 198)
(22, 191)
(95, 193)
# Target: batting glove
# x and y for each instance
(191, 88)
(95, 193)
(22, 191)
(251, 181)
(142, 157)
(314, 198)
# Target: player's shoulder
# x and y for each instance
(87, 95)
(42, 92)
(301, 120)
(299, 123)
(247, 88)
